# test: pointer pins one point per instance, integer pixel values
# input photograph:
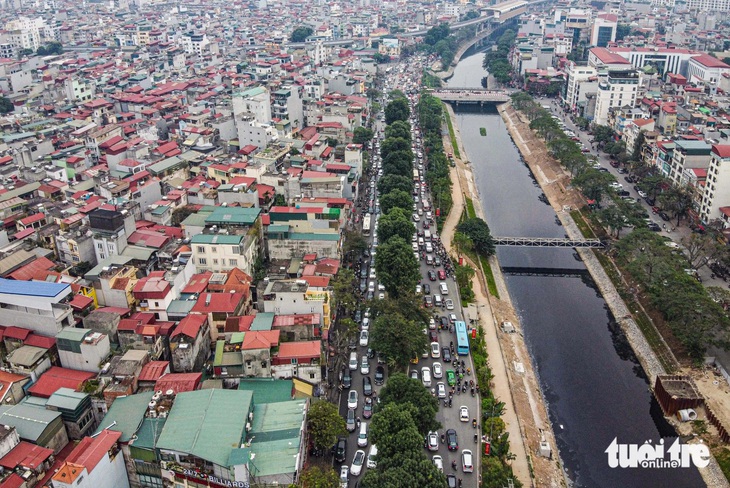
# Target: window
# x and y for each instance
(215, 261)
(235, 250)
(202, 261)
(213, 249)
(100, 245)
(233, 262)
(201, 249)
(294, 361)
(311, 376)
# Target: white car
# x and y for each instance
(344, 476)
(438, 461)
(432, 441)
(381, 296)
(364, 365)
(438, 371)
(449, 304)
(463, 413)
(467, 462)
(435, 350)
(441, 390)
(372, 274)
(364, 337)
(365, 323)
(419, 290)
(352, 399)
(357, 462)
(431, 322)
(416, 218)
(381, 287)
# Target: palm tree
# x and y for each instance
(462, 243)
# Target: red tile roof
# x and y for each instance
(13, 481)
(219, 302)
(153, 370)
(179, 382)
(722, 150)
(56, 378)
(198, 283)
(19, 333)
(709, 62)
(263, 339)
(306, 349)
(90, 450)
(26, 455)
(40, 341)
(190, 325)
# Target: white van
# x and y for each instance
(427, 235)
(362, 437)
(353, 361)
(426, 376)
(372, 462)
(429, 247)
(444, 289)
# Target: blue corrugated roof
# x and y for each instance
(32, 288)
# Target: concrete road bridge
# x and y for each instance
(470, 95)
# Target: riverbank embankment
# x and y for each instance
(555, 184)
(515, 382)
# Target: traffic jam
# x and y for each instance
(445, 368)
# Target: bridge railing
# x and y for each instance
(547, 242)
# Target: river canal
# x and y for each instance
(594, 386)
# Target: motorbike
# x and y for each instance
(476, 438)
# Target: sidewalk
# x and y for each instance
(525, 414)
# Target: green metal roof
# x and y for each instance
(201, 423)
(251, 92)
(165, 164)
(66, 399)
(233, 216)
(218, 358)
(263, 321)
(128, 413)
(277, 436)
(196, 219)
(72, 334)
(268, 390)
(237, 337)
(149, 432)
(216, 239)
(180, 306)
(29, 421)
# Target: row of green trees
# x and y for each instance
(407, 410)
(695, 317)
(406, 413)
(431, 113)
(398, 320)
(497, 61)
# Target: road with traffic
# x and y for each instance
(450, 310)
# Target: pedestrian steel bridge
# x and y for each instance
(470, 95)
(546, 242)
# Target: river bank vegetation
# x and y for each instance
(658, 274)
